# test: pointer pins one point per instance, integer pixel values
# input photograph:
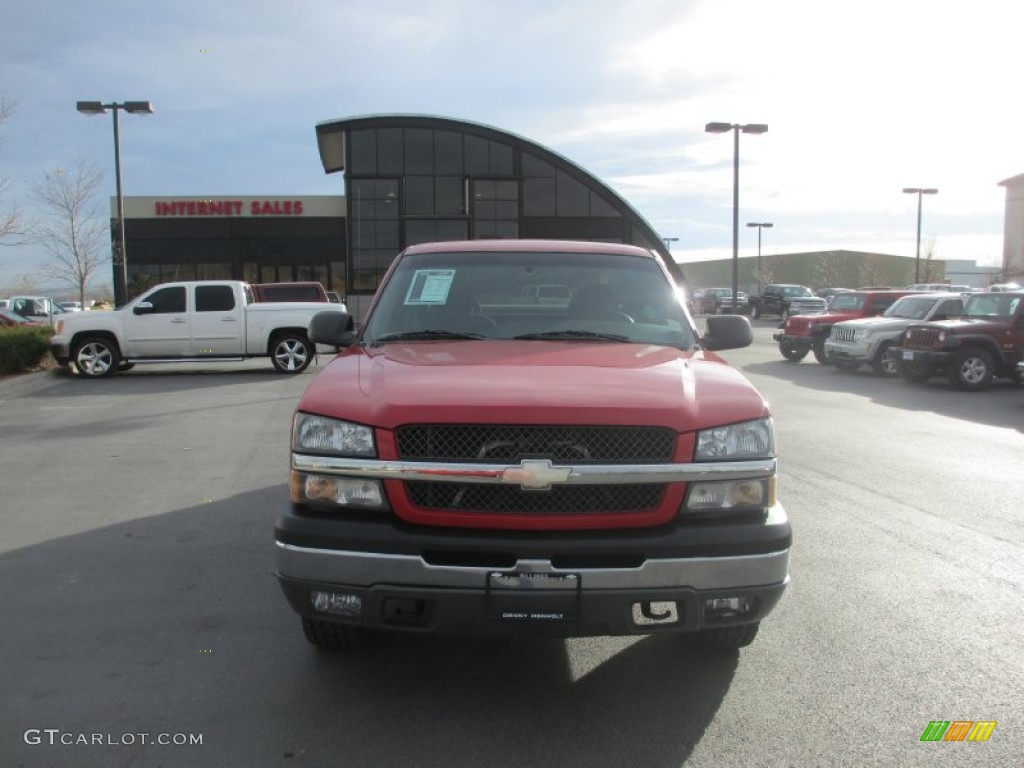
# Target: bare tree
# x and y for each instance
(932, 271)
(828, 272)
(9, 229)
(872, 271)
(766, 270)
(72, 231)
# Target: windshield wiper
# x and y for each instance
(426, 335)
(570, 336)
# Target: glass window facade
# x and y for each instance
(444, 179)
(257, 250)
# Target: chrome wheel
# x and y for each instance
(96, 358)
(292, 353)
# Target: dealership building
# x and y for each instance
(407, 179)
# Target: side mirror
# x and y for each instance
(727, 332)
(143, 308)
(335, 329)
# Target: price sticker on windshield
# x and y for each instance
(430, 286)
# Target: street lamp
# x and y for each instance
(760, 225)
(919, 192)
(737, 129)
(668, 241)
(120, 258)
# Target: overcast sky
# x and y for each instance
(861, 99)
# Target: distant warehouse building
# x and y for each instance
(1013, 230)
(408, 179)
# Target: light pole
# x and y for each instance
(917, 256)
(120, 257)
(668, 241)
(760, 225)
(737, 129)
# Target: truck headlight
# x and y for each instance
(318, 434)
(746, 440)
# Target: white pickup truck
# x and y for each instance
(188, 322)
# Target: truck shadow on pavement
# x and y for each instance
(175, 624)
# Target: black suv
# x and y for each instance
(785, 300)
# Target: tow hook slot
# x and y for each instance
(655, 613)
(406, 612)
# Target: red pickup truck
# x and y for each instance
(473, 464)
(807, 333)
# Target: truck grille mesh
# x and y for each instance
(565, 500)
(510, 444)
(491, 443)
(843, 334)
(922, 338)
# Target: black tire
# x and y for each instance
(291, 352)
(971, 370)
(728, 638)
(96, 357)
(791, 353)
(846, 366)
(819, 353)
(333, 637)
(915, 374)
(883, 365)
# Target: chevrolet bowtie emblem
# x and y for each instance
(535, 475)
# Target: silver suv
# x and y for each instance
(866, 341)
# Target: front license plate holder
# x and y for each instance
(533, 598)
(908, 354)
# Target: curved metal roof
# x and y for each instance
(330, 136)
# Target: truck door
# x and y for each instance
(216, 322)
(157, 325)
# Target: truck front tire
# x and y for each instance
(791, 353)
(971, 370)
(96, 357)
(884, 364)
(291, 352)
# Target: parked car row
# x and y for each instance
(718, 301)
(969, 338)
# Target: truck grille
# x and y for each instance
(922, 338)
(806, 306)
(566, 500)
(502, 443)
(843, 334)
(511, 443)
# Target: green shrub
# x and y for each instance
(23, 347)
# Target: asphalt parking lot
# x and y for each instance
(136, 574)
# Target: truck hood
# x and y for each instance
(799, 324)
(533, 382)
(879, 323)
(93, 320)
(970, 325)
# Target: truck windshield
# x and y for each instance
(911, 308)
(494, 295)
(845, 302)
(992, 305)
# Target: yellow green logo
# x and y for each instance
(958, 730)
